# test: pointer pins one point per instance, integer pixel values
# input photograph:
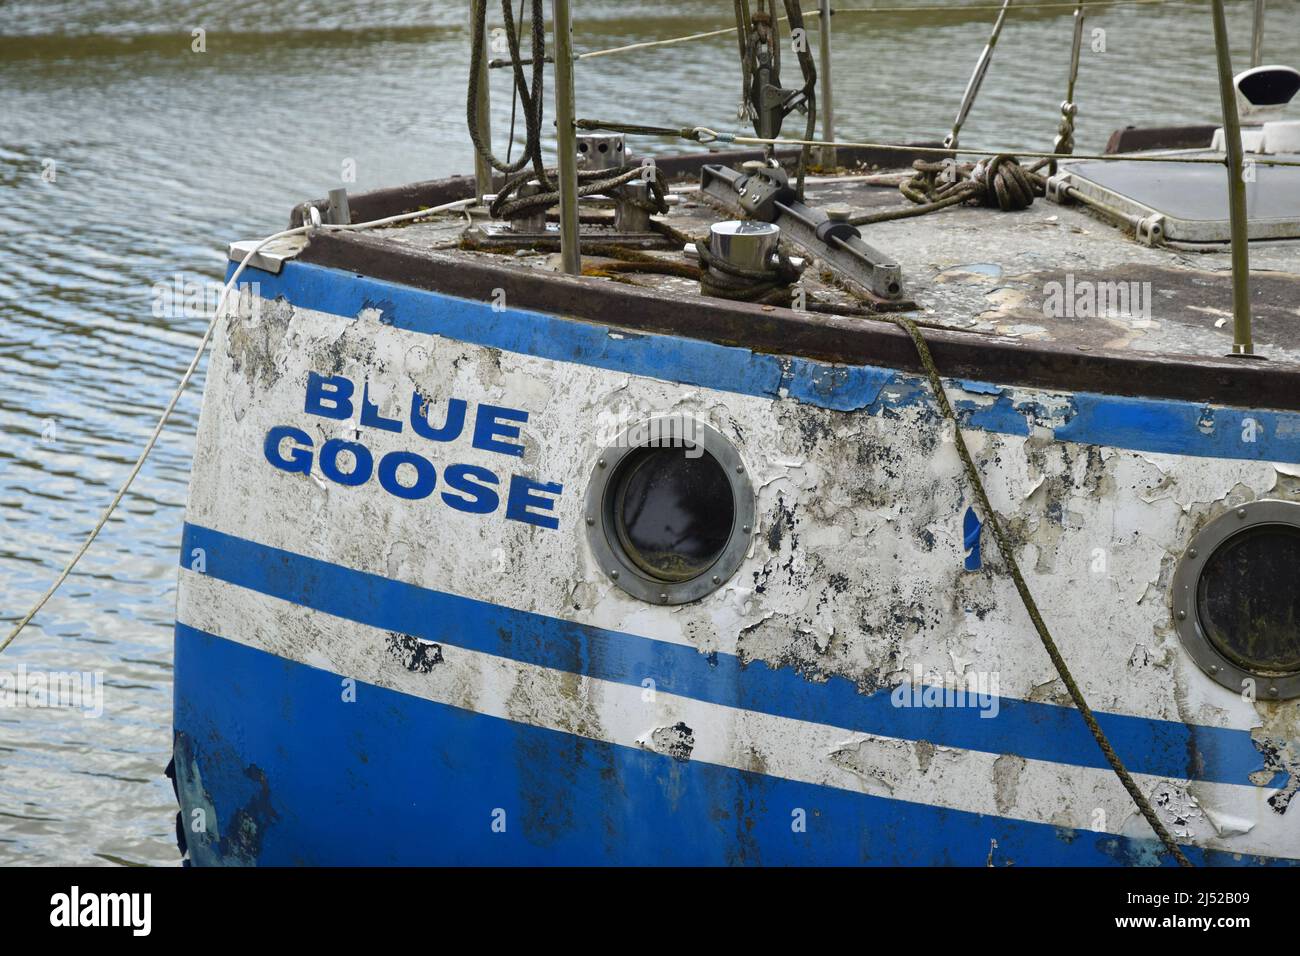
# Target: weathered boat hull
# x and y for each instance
(391, 671)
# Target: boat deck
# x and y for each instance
(981, 270)
(979, 279)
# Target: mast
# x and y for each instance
(828, 158)
(1242, 343)
(566, 137)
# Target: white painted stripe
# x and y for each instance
(874, 587)
(1038, 791)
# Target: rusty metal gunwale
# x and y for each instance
(839, 340)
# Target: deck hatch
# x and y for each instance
(1193, 198)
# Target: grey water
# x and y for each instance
(129, 157)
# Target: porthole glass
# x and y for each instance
(1236, 599)
(670, 511)
(1248, 599)
(673, 513)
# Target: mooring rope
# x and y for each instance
(767, 286)
(911, 327)
(1031, 606)
(189, 373)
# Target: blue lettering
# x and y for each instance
(526, 493)
(489, 426)
(425, 475)
(370, 413)
(336, 390)
(362, 464)
(461, 478)
(450, 430)
(299, 459)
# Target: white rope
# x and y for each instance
(194, 364)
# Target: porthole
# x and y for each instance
(1236, 599)
(670, 510)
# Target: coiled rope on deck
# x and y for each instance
(1018, 186)
(591, 182)
(999, 182)
(189, 373)
(1031, 606)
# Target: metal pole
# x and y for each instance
(566, 138)
(1241, 339)
(977, 78)
(483, 106)
(1065, 138)
(828, 157)
(1257, 35)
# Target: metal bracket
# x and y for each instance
(1151, 230)
(766, 195)
(1058, 189)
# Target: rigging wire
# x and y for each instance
(703, 134)
(514, 102)
(849, 11)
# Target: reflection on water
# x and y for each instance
(127, 160)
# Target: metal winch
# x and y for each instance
(743, 261)
(764, 193)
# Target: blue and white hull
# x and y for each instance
(424, 662)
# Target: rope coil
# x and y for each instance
(530, 97)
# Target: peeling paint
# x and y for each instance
(676, 741)
(855, 572)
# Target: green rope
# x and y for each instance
(1004, 546)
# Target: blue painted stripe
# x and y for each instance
(297, 776)
(1155, 425)
(1037, 731)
